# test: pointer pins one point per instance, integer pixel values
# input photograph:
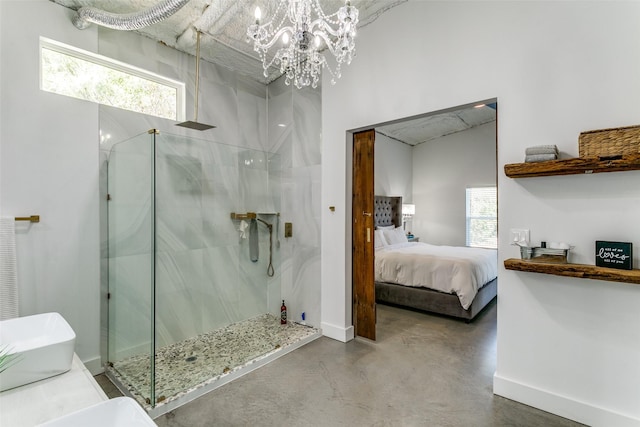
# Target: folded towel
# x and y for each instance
(541, 149)
(539, 158)
(8, 270)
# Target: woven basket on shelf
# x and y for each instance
(610, 142)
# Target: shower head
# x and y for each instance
(195, 124)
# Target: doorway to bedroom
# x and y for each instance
(442, 167)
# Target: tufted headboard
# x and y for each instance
(387, 210)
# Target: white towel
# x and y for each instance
(243, 229)
(532, 158)
(8, 270)
(541, 149)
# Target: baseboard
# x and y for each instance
(337, 332)
(94, 365)
(561, 405)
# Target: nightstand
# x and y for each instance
(413, 239)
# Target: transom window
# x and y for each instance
(482, 217)
(77, 73)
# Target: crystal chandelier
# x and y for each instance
(301, 40)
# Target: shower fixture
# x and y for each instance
(195, 124)
(253, 234)
(270, 271)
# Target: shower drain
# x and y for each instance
(191, 359)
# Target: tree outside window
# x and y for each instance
(69, 71)
(482, 217)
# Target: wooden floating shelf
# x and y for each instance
(581, 271)
(575, 166)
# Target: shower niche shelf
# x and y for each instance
(251, 215)
(248, 215)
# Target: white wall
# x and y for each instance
(393, 168)
(50, 168)
(442, 170)
(565, 345)
(3, 58)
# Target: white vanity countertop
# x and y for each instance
(44, 400)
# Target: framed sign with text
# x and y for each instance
(614, 254)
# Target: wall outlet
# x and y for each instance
(520, 235)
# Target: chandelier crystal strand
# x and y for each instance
(302, 33)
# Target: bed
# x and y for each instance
(452, 281)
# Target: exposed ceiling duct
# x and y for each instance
(224, 22)
(128, 21)
(177, 23)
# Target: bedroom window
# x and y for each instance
(77, 73)
(482, 217)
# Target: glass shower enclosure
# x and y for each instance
(181, 277)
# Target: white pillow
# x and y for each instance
(385, 227)
(395, 236)
(379, 240)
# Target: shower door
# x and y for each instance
(179, 270)
(131, 337)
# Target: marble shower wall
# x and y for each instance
(204, 277)
(294, 123)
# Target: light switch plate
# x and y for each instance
(520, 235)
(288, 229)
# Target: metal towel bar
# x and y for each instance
(32, 218)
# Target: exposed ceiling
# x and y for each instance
(224, 26)
(428, 127)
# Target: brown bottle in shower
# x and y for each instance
(283, 314)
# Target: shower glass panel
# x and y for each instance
(131, 258)
(181, 277)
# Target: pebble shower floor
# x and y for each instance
(195, 362)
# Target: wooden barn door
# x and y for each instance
(364, 299)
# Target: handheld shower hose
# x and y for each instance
(270, 270)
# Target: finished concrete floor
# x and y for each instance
(423, 370)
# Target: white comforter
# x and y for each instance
(449, 269)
